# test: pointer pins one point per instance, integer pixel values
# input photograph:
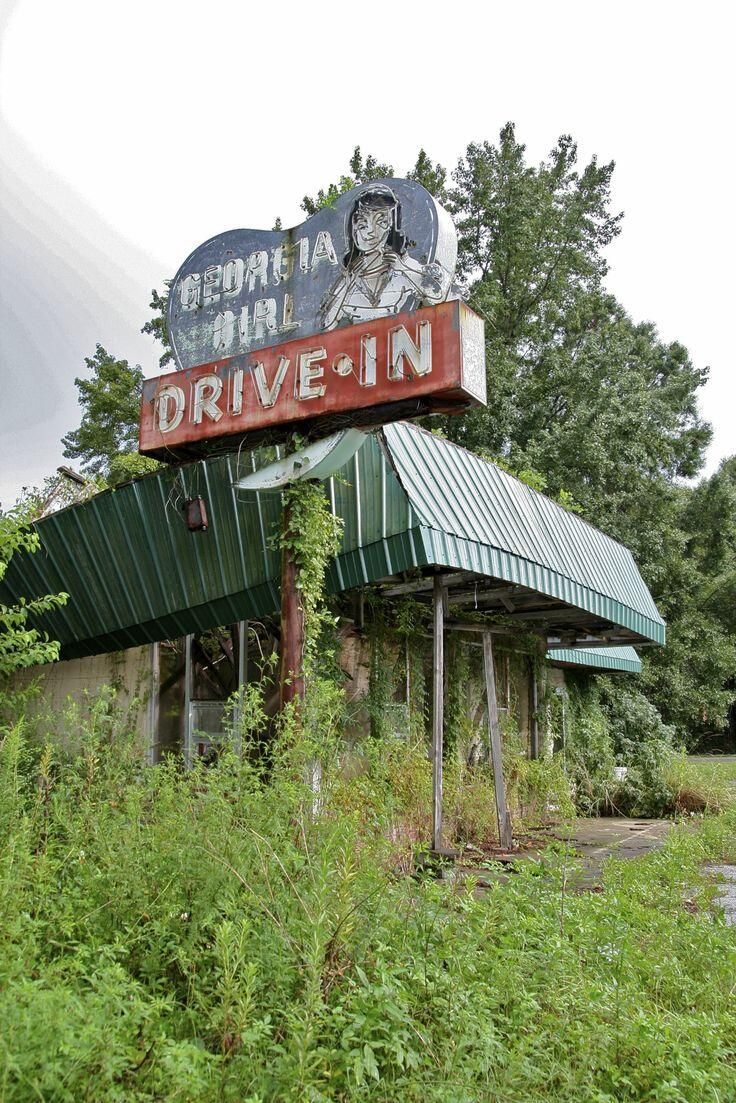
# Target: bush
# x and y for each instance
(644, 745)
(21, 645)
(607, 724)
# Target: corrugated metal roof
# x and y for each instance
(481, 518)
(597, 658)
(408, 499)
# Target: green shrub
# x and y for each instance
(20, 644)
(644, 745)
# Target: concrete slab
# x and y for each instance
(708, 759)
(726, 898)
(614, 836)
(593, 839)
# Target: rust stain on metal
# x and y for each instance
(431, 359)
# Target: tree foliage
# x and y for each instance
(571, 378)
(108, 431)
(360, 171)
(157, 326)
(591, 399)
(694, 678)
(21, 645)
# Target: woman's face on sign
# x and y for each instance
(371, 227)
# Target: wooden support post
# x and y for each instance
(494, 732)
(533, 710)
(438, 708)
(291, 674)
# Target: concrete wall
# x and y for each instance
(130, 673)
(79, 682)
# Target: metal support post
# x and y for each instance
(188, 724)
(153, 702)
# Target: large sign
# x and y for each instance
(384, 248)
(353, 317)
(432, 359)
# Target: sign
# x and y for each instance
(382, 249)
(350, 319)
(401, 365)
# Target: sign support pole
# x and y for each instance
(291, 674)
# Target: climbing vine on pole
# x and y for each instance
(310, 538)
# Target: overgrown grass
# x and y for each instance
(701, 786)
(205, 936)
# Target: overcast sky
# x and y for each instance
(132, 132)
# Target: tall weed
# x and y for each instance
(215, 935)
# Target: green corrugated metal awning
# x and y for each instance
(597, 658)
(478, 517)
(410, 501)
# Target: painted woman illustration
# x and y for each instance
(379, 277)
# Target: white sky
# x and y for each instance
(131, 132)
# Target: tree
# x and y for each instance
(361, 170)
(431, 175)
(21, 646)
(157, 326)
(583, 394)
(110, 401)
(532, 255)
(426, 172)
(694, 677)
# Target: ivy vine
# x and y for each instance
(313, 537)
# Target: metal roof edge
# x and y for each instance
(599, 658)
(448, 550)
(256, 601)
(371, 562)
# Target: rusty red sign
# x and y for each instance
(427, 360)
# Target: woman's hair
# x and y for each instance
(376, 195)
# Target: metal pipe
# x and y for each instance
(188, 700)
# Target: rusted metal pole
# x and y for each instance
(494, 732)
(291, 673)
(438, 708)
(188, 718)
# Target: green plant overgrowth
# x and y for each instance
(204, 936)
(20, 644)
